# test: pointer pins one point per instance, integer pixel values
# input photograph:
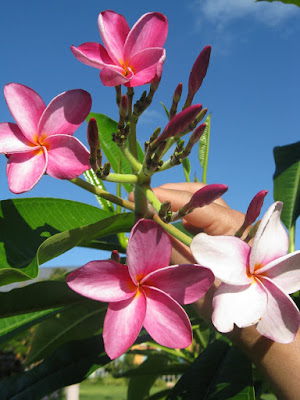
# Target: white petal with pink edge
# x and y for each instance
(239, 305)
(65, 113)
(150, 30)
(26, 106)
(122, 324)
(103, 280)
(186, 283)
(271, 240)
(281, 319)
(284, 272)
(149, 248)
(24, 170)
(113, 31)
(12, 139)
(165, 321)
(226, 256)
(92, 54)
(67, 157)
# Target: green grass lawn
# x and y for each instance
(102, 392)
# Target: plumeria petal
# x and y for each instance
(103, 280)
(284, 271)
(281, 319)
(184, 283)
(271, 240)
(147, 66)
(240, 305)
(65, 113)
(150, 30)
(149, 248)
(226, 256)
(26, 106)
(92, 54)
(24, 170)
(122, 324)
(114, 76)
(165, 321)
(12, 139)
(113, 30)
(67, 156)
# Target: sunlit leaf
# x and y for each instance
(92, 178)
(166, 110)
(186, 169)
(204, 148)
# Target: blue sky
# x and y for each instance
(251, 88)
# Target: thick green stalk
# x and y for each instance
(173, 231)
(103, 193)
(292, 234)
(121, 178)
(135, 164)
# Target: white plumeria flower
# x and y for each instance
(256, 281)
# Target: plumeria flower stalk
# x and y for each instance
(257, 281)
(41, 141)
(146, 293)
(131, 57)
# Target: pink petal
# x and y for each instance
(150, 30)
(113, 30)
(26, 106)
(24, 170)
(185, 283)
(226, 256)
(281, 320)
(240, 305)
(65, 113)
(114, 76)
(271, 240)
(122, 324)
(103, 280)
(92, 54)
(149, 248)
(166, 322)
(147, 66)
(67, 156)
(12, 139)
(284, 272)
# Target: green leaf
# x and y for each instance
(64, 241)
(26, 223)
(76, 322)
(146, 374)
(220, 372)
(296, 2)
(166, 110)
(186, 169)
(92, 178)
(71, 363)
(287, 181)
(37, 297)
(107, 127)
(204, 148)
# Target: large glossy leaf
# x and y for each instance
(26, 223)
(296, 2)
(287, 181)
(69, 364)
(76, 322)
(64, 241)
(92, 178)
(107, 127)
(220, 372)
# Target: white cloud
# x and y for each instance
(221, 12)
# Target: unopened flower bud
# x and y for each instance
(179, 123)
(207, 195)
(194, 138)
(115, 256)
(199, 70)
(123, 106)
(92, 134)
(176, 99)
(255, 207)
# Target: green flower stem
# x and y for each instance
(141, 204)
(132, 139)
(153, 200)
(292, 234)
(172, 230)
(135, 164)
(121, 178)
(166, 165)
(103, 193)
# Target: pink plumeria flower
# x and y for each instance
(146, 293)
(131, 57)
(256, 281)
(41, 141)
